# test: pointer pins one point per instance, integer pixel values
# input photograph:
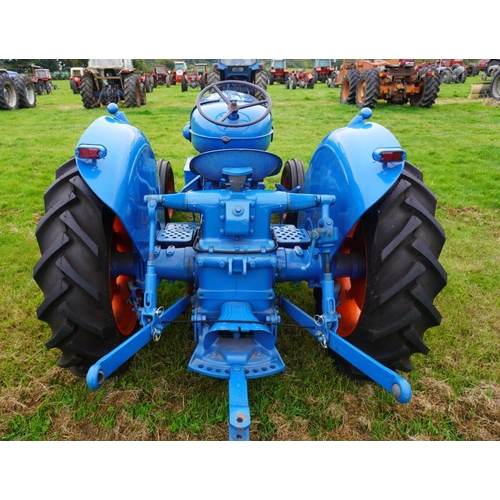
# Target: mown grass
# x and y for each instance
(456, 387)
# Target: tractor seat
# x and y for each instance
(254, 163)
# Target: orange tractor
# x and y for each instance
(364, 81)
(300, 78)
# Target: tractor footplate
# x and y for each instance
(179, 235)
(288, 236)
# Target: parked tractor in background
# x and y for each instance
(180, 70)
(278, 72)
(42, 80)
(235, 72)
(451, 71)
(300, 78)
(356, 232)
(397, 81)
(147, 80)
(107, 81)
(75, 78)
(17, 90)
(195, 78)
(487, 67)
(323, 71)
(161, 76)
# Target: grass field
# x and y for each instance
(456, 387)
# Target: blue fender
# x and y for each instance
(350, 163)
(116, 160)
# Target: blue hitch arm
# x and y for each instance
(398, 386)
(152, 331)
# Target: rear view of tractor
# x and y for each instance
(300, 78)
(356, 231)
(17, 90)
(196, 78)
(397, 81)
(323, 71)
(75, 78)
(278, 72)
(161, 76)
(235, 72)
(107, 81)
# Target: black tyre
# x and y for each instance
(87, 91)
(495, 86)
(40, 88)
(446, 75)
(292, 82)
(8, 94)
(386, 312)
(349, 87)
(132, 90)
(310, 83)
(25, 91)
(74, 87)
(167, 184)
(368, 89)
(184, 84)
(88, 310)
(459, 74)
(213, 76)
(429, 91)
(143, 94)
(292, 176)
(261, 80)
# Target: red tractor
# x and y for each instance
(278, 72)
(195, 78)
(161, 76)
(323, 70)
(42, 80)
(300, 78)
(75, 77)
(180, 70)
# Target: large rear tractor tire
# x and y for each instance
(495, 85)
(261, 80)
(87, 91)
(349, 87)
(88, 310)
(25, 91)
(9, 98)
(368, 89)
(132, 90)
(386, 312)
(428, 94)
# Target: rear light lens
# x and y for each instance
(389, 155)
(86, 152)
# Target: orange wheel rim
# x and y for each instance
(352, 295)
(121, 304)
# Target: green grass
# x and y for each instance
(456, 387)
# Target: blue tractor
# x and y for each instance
(231, 74)
(358, 228)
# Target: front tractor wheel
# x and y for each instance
(291, 178)
(89, 310)
(386, 312)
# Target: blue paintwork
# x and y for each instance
(234, 255)
(128, 167)
(343, 165)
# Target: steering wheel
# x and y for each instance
(233, 106)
